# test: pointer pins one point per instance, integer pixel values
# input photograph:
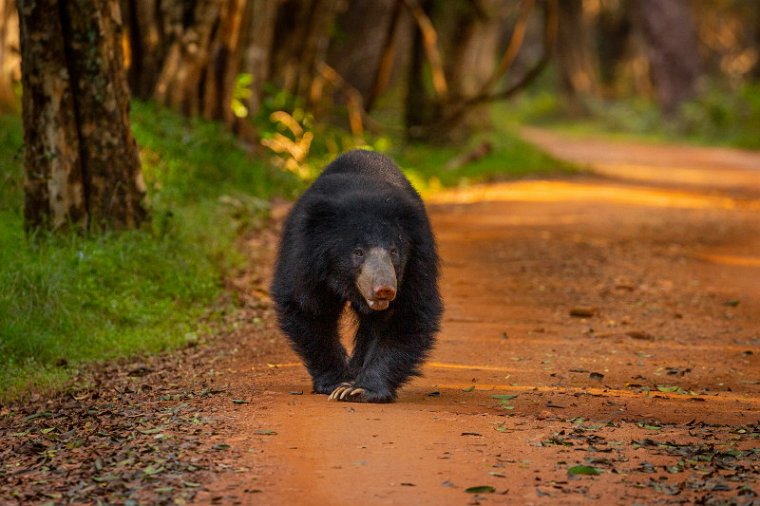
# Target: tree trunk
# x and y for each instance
(153, 28)
(469, 34)
(420, 106)
(188, 58)
(471, 60)
(303, 32)
(613, 34)
(668, 30)
(9, 56)
(363, 32)
(577, 62)
(256, 57)
(81, 162)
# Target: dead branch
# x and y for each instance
(430, 40)
(513, 48)
(550, 36)
(357, 116)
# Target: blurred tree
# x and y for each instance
(668, 30)
(213, 57)
(444, 97)
(81, 164)
(9, 57)
(303, 32)
(576, 58)
(612, 39)
(362, 48)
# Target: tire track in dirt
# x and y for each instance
(658, 389)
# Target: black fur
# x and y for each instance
(360, 200)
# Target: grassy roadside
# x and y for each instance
(69, 301)
(510, 157)
(719, 117)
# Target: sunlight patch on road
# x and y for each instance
(561, 191)
(721, 178)
(740, 261)
(443, 365)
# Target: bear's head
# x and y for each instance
(361, 245)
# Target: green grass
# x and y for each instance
(70, 300)
(510, 158)
(718, 117)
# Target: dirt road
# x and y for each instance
(600, 345)
(605, 324)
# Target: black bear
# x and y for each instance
(359, 234)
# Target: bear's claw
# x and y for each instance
(346, 392)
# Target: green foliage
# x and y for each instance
(719, 116)
(300, 145)
(74, 299)
(188, 160)
(725, 118)
(68, 300)
(510, 158)
(11, 179)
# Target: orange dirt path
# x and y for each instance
(660, 244)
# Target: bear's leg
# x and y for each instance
(315, 338)
(382, 361)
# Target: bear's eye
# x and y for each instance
(358, 252)
(394, 252)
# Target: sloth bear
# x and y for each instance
(359, 234)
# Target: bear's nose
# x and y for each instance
(384, 292)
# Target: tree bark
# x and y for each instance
(577, 62)
(256, 57)
(303, 32)
(363, 33)
(179, 83)
(668, 30)
(81, 163)
(420, 107)
(613, 38)
(471, 61)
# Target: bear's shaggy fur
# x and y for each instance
(360, 218)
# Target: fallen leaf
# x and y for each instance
(582, 312)
(587, 470)
(638, 334)
(151, 470)
(480, 489)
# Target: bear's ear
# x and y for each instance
(320, 213)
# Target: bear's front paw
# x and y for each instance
(348, 392)
(326, 387)
(327, 383)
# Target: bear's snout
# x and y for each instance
(377, 279)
